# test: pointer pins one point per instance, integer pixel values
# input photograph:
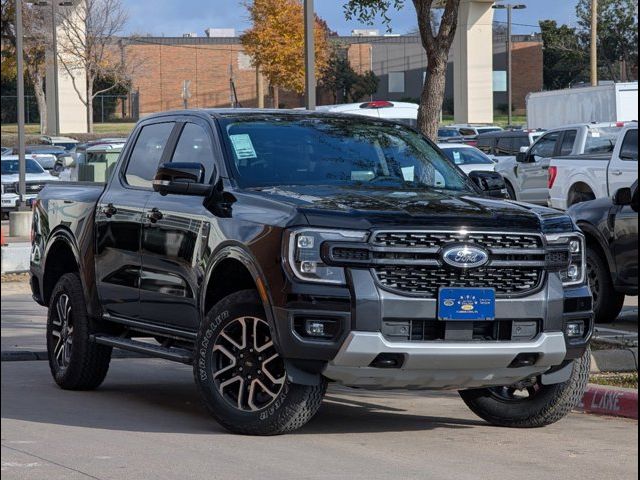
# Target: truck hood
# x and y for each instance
(327, 206)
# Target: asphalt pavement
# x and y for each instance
(146, 422)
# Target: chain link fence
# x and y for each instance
(106, 108)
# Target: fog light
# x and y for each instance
(308, 267)
(314, 328)
(305, 241)
(574, 246)
(573, 272)
(574, 329)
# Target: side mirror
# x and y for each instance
(524, 149)
(522, 157)
(490, 183)
(181, 178)
(623, 197)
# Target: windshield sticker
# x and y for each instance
(595, 134)
(243, 146)
(408, 173)
(456, 158)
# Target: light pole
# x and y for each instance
(509, 7)
(20, 91)
(594, 43)
(309, 56)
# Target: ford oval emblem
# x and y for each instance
(465, 256)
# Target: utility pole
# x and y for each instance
(20, 92)
(594, 43)
(54, 45)
(259, 87)
(309, 56)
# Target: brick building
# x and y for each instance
(220, 72)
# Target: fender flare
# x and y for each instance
(593, 233)
(237, 251)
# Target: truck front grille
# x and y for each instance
(426, 281)
(440, 239)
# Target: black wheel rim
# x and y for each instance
(248, 372)
(594, 283)
(516, 393)
(62, 331)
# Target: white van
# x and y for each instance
(402, 112)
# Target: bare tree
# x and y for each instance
(36, 35)
(90, 42)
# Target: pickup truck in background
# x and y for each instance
(527, 176)
(580, 178)
(275, 251)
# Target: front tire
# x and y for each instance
(535, 405)
(76, 363)
(607, 303)
(511, 192)
(242, 378)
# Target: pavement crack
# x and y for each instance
(88, 475)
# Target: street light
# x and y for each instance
(22, 165)
(509, 8)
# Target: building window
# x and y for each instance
(396, 82)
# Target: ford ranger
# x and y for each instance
(277, 251)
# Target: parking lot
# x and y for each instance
(146, 421)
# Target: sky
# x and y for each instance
(176, 17)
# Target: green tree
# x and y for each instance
(617, 35)
(565, 61)
(436, 32)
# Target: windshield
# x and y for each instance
(293, 150)
(448, 132)
(467, 156)
(11, 167)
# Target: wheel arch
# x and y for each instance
(61, 257)
(595, 240)
(579, 186)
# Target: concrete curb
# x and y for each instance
(619, 360)
(27, 355)
(16, 257)
(610, 401)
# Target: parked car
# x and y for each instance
(449, 134)
(506, 144)
(36, 178)
(67, 143)
(6, 151)
(78, 154)
(468, 129)
(527, 176)
(610, 226)
(401, 112)
(277, 250)
(580, 178)
(97, 164)
(468, 158)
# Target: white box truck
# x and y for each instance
(617, 102)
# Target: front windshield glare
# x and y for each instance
(269, 151)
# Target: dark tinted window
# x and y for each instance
(568, 141)
(289, 150)
(194, 145)
(504, 146)
(412, 122)
(485, 144)
(467, 131)
(519, 142)
(629, 149)
(545, 146)
(146, 154)
(447, 132)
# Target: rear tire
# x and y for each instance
(241, 376)
(511, 192)
(580, 197)
(546, 404)
(76, 363)
(607, 303)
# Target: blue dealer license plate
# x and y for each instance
(470, 304)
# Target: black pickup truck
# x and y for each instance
(277, 251)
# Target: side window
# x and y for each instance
(519, 142)
(485, 144)
(194, 145)
(545, 146)
(568, 141)
(629, 148)
(505, 146)
(466, 132)
(146, 154)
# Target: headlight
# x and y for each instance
(575, 273)
(304, 257)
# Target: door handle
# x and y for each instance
(616, 172)
(154, 215)
(109, 211)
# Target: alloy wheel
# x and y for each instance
(248, 371)
(62, 331)
(594, 283)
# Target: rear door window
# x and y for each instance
(504, 146)
(485, 144)
(568, 140)
(147, 152)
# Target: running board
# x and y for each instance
(152, 329)
(176, 354)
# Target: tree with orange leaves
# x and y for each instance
(276, 43)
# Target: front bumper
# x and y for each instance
(441, 365)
